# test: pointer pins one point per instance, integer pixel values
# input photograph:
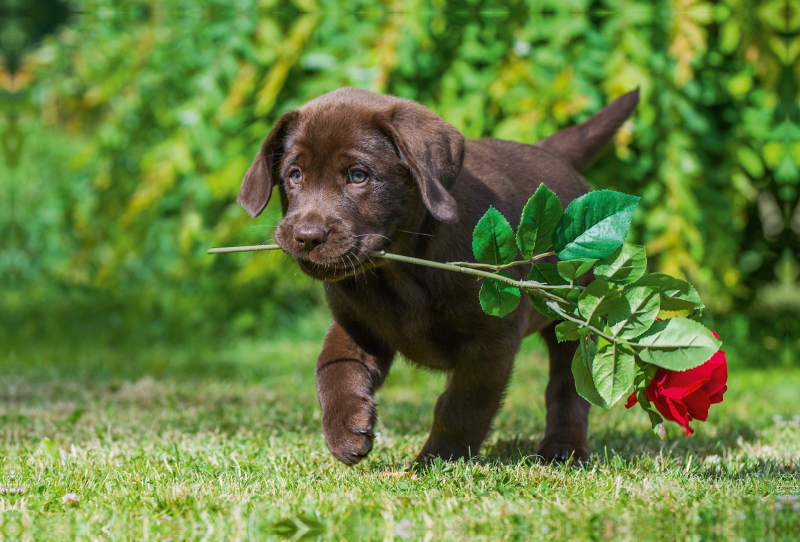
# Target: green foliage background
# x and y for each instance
(125, 133)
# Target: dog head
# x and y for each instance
(353, 169)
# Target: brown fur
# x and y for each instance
(427, 187)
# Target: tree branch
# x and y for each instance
(523, 284)
(527, 285)
(501, 267)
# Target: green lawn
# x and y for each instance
(223, 442)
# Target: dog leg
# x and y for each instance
(347, 378)
(464, 412)
(567, 412)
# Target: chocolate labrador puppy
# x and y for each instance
(359, 172)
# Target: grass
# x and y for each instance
(222, 441)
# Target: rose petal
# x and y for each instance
(697, 405)
(701, 372)
(659, 379)
(719, 377)
(680, 414)
(717, 397)
(679, 392)
(682, 383)
(663, 408)
(632, 400)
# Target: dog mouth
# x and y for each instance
(346, 266)
(322, 263)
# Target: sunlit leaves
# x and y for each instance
(539, 219)
(570, 331)
(626, 265)
(547, 273)
(541, 306)
(498, 298)
(119, 108)
(572, 269)
(676, 294)
(618, 309)
(493, 239)
(594, 225)
(678, 344)
(612, 371)
(634, 313)
(599, 297)
(582, 363)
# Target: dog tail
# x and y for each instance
(578, 145)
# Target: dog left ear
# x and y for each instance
(260, 178)
(433, 151)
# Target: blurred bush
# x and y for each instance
(125, 134)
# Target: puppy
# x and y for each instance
(359, 172)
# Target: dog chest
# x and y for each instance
(437, 328)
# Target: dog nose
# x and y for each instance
(310, 236)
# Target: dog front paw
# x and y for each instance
(348, 423)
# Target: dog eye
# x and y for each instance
(357, 176)
(296, 177)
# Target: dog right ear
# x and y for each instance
(433, 151)
(260, 178)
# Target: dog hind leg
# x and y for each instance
(464, 412)
(567, 412)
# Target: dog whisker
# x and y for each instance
(352, 264)
(373, 235)
(361, 265)
(370, 269)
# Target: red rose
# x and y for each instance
(683, 396)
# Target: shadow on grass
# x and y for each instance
(719, 455)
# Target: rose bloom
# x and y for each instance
(683, 396)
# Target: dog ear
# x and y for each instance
(259, 179)
(433, 151)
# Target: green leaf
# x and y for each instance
(547, 273)
(612, 371)
(572, 295)
(498, 298)
(540, 305)
(570, 331)
(634, 313)
(599, 297)
(676, 294)
(539, 219)
(582, 371)
(645, 372)
(594, 225)
(626, 265)
(493, 239)
(572, 269)
(677, 344)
